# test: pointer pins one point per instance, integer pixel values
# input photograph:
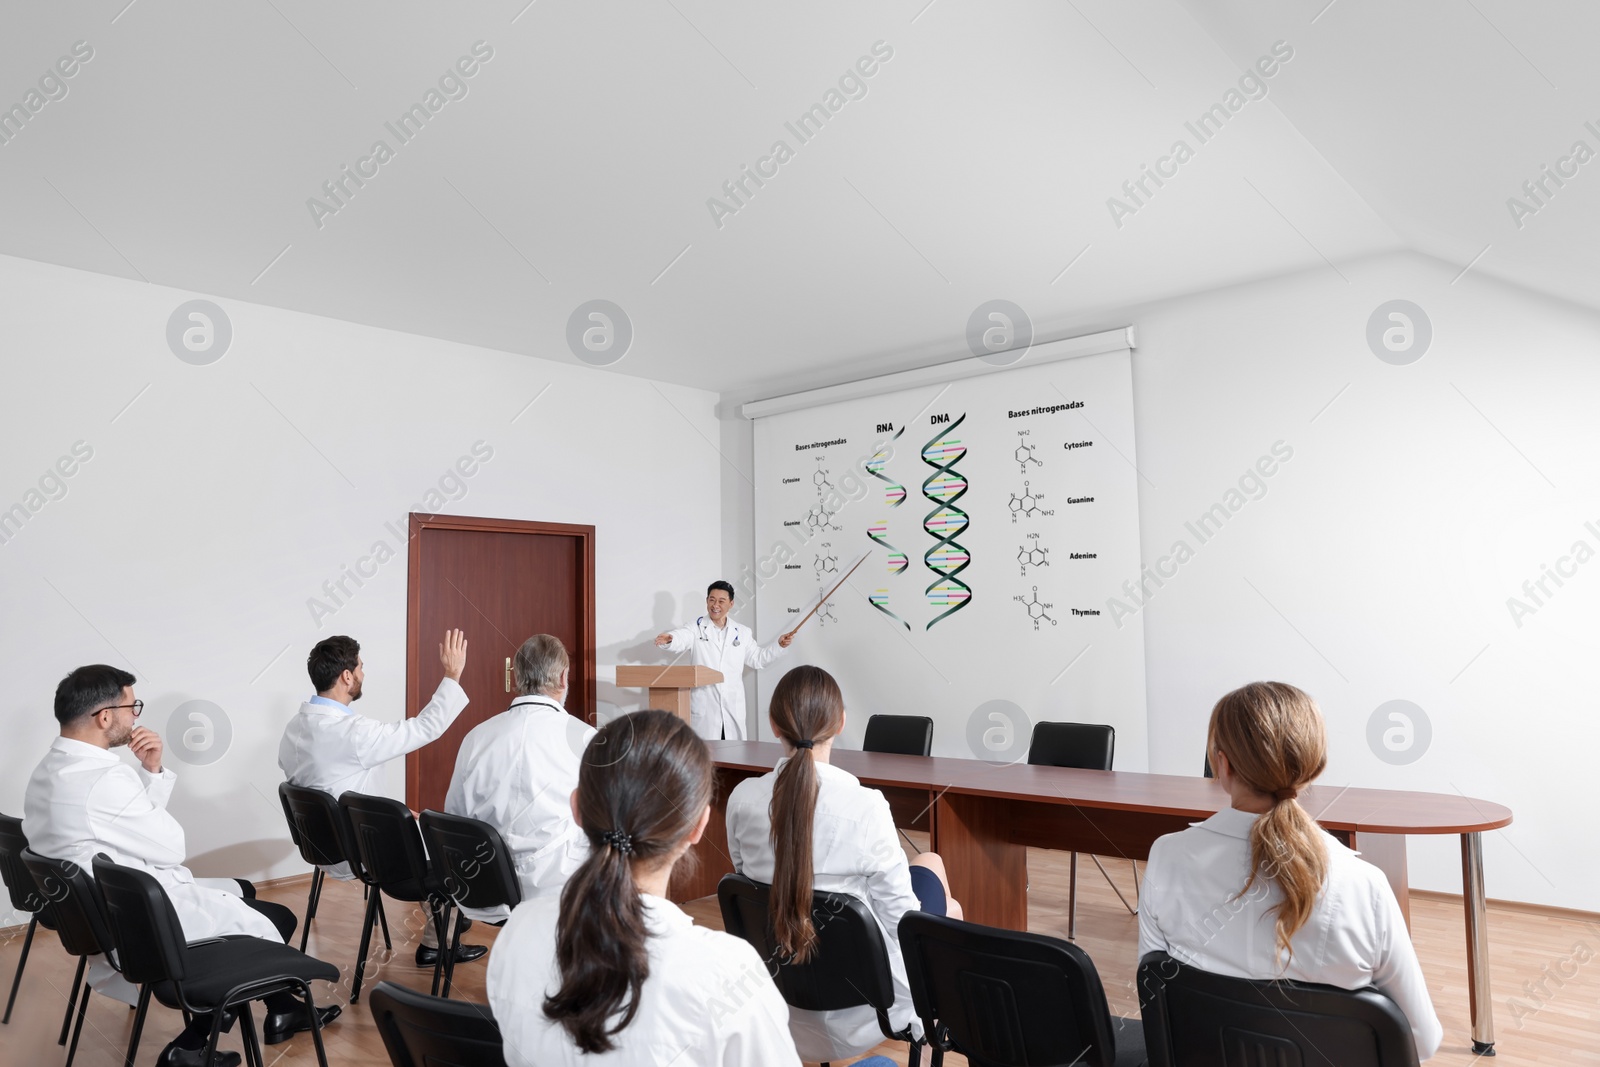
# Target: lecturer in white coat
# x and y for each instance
(716, 641)
(84, 799)
(328, 746)
(516, 771)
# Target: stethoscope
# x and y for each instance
(701, 623)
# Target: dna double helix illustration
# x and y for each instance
(947, 558)
(894, 494)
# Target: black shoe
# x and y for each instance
(280, 1026)
(428, 957)
(173, 1056)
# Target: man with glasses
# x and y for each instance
(715, 641)
(84, 799)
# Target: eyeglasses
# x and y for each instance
(137, 706)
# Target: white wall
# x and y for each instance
(187, 547)
(1379, 562)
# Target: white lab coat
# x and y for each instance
(717, 711)
(516, 772)
(855, 849)
(334, 749)
(83, 800)
(1190, 908)
(708, 1001)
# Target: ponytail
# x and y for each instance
(1275, 742)
(643, 784)
(807, 707)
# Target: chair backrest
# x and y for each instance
(25, 895)
(1196, 1019)
(144, 926)
(73, 903)
(1087, 746)
(905, 735)
(1006, 998)
(386, 838)
(423, 1031)
(318, 826)
(850, 966)
(472, 861)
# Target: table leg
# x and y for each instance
(988, 874)
(1476, 907)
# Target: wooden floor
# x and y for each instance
(1556, 1024)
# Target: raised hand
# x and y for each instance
(453, 654)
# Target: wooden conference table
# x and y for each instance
(981, 818)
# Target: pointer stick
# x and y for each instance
(825, 596)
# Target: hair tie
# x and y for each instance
(622, 842)
(804, 744)
(1286, 794)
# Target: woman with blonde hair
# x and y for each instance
(1259, 890)
(809, 825)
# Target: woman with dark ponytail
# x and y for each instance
(809, 825)
(612, 972)
(1259, 890)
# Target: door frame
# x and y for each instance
(588, 694)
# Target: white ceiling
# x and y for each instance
(977, 166)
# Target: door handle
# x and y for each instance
(508, 674)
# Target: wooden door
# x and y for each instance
(500, 581)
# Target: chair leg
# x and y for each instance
(316, 1026)
(442, 939)
(1072, 899)
(138, 1026)
(1131, 909)
(216, 1033)
(450, 959)
(27, 943)
(77, 1030)
(914, 1054)
(383, 920)
(311, 906)
(252, 1045)
(366, 943)
(72, 1001)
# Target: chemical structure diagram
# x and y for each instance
(1024, 453)
(820, 518)
(1027, 503)
(826, 563)
(819, 478)
(1030, 554)
(825, 612)
(1037, 609)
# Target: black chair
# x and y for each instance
(900, 735)
(74, 906)
(1196, 1019)
(473, 864)
(1090, 747)
(423, 1031)
(849, 968)
(1004, 998)
(389, 846)
(905, 735)
(212, 976)
(319, 829)
(26, 899)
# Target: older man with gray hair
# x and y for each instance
(516, 771)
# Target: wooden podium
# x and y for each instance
(669, 686)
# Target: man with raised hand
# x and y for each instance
(327, 746)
